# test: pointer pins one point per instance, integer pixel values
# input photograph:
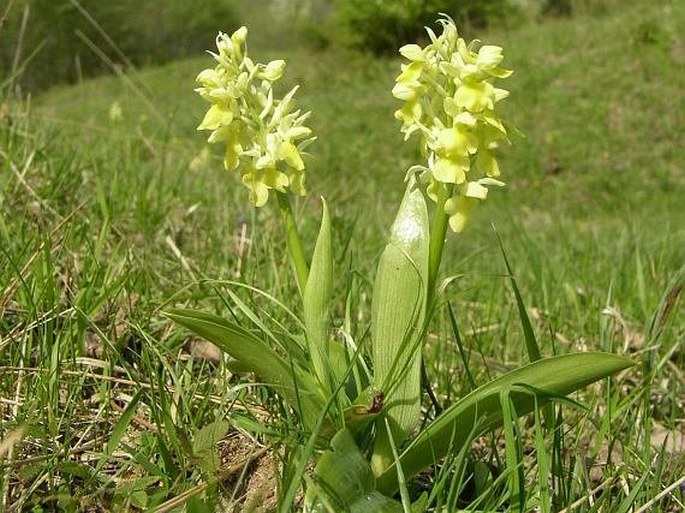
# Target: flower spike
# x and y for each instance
(264, 136)
(450, 101)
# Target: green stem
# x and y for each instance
(292, 237)
(437, 241)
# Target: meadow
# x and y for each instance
(112, 210)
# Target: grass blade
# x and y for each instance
(119, 431)
(528, 333)
(514, 460)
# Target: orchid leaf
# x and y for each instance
(343, 481)
(555, 376)
(253, 354)
(398, 311)
(316, 302)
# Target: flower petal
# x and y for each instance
(216, 116)
(459, 209)
(413, 53)
(287, 151)
(476, 190)
(475, 97)
(449, 171)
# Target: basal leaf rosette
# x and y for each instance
(450, 102)
(264, 136)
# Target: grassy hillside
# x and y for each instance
(598, 169)
(111, 210)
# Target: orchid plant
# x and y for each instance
(361, 406)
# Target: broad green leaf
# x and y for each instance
(255, 355)
(343, 481)
(556, 376)
(199, 504)
(76, 471)
(398, 311)
(292, 239)
(316, 302)
(421, 504)
(205, 442)
(135, 490)
(208, 436)
(340, 360)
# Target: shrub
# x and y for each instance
(557, 8)
(144, 33)
(381, 26)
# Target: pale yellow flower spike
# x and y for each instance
(264, 137)
(450, 100)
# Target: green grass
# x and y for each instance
(103, 224)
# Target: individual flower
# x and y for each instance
(450, 101)
(201, 161)
(116, 113)
(264, 136)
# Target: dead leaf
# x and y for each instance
(672, 440)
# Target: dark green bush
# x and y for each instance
(143, 33)
(557, 8)
(381, 26)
